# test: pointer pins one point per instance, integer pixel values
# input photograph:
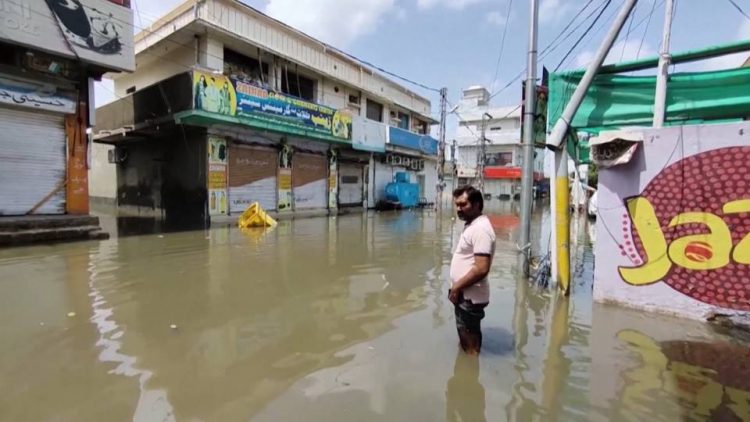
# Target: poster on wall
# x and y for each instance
(217, 176)
(285, 178)
(675, 233)
(95, 31)
(333, 179)
(214, 93)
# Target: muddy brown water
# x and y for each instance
(336, 319)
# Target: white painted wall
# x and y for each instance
(174, 61)
(258, 29)
(102, 174)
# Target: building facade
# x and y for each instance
(503, 152)
(228, 107)
(50, 54)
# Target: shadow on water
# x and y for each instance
(497, 341)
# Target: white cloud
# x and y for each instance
(496, 18)
(337, 22)
(553, 10)
(621, 51)
(451, 4)
(732, 60)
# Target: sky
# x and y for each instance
(457, 43)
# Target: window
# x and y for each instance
(8, 55)
(243, 67)
(374, 111)
(421, 127)
(403, 120)
(349, 180)
(292, 83)
(353, 99)
(499, 159)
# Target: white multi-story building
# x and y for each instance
(227, 107)
(503, 151)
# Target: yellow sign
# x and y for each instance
(214, 93)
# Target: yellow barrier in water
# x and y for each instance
(255, 216)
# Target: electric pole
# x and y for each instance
(660, 101)
(527, 175)
(482, 153)
(441, 150)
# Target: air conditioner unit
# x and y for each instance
(407, 162)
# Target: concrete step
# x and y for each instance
(34, 222)
(55, 234)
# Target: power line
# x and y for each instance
(593, 35)
(651, 14)
(736, 6)
(631, 18)
(601, 12)
(549, 49)
(502, 42)
(380, 69)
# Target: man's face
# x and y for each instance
(464, 209)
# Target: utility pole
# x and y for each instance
(441, 150)
(527, 175)
(560, 196)
(455, 162)
(482, 154)
(660, 102)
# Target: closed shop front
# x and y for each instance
(351, 184)
(252, 177)
(32, 161)
(309, 179)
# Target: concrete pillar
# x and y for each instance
(211, 53)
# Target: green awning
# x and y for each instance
(260, 122)
(616, 101)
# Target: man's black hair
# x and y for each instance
(474, 195)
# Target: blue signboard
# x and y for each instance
(405, 139)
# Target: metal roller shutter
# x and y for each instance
(309, 178)
(350, 184)
(32, 161)
(252, 177)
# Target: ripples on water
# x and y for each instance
(336, 319)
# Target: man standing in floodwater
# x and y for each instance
(470, 292)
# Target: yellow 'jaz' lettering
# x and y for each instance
(714, 247)
(741, 252)
(656, 263)
(706, 251)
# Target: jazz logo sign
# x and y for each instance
(691, 229)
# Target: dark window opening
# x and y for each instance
(499, 159)
(243, 67)
(403, 120)
(8, 55)
(349, 180)
(297, 85)
(374, 111)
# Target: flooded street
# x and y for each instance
(336, 319)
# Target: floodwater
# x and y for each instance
(336, 320)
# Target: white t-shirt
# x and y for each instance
(478, 238)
